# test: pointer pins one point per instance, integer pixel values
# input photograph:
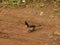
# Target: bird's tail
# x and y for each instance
(38, 25)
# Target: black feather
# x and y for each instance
(31, 28)
(26, 24)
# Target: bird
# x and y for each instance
(31, 28)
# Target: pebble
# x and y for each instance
(41, 13)
(57, 33)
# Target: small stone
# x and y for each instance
(42, 5)
(57, 33)
(27, 6)
(41, 13)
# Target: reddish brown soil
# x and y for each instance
(14, 32)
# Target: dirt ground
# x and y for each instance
(14, 32)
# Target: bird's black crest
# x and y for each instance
(26, 23)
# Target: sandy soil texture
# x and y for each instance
(14, 32)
